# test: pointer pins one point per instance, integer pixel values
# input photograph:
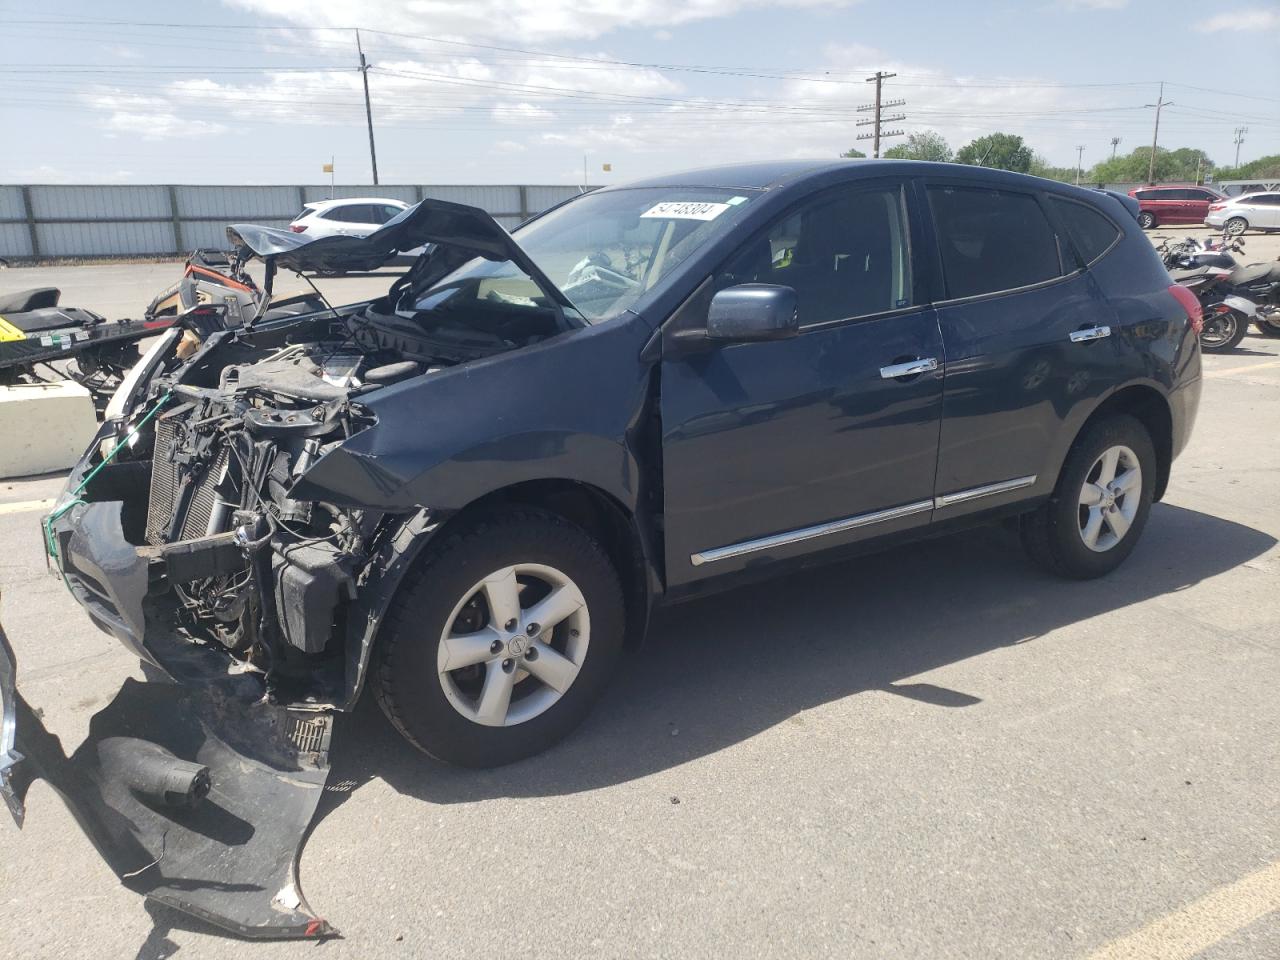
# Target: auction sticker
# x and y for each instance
(685, 210)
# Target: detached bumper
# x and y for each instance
(197, 798)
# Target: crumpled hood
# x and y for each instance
(469, 229)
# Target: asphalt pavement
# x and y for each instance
(938, 752)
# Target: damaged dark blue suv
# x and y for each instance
(469, 493)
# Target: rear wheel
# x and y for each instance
(1101, 502)
(501, 640)
(1223, 330)
(1146, 219)
(1236, 226)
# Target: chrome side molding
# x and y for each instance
(990, 490)
(861, 520)
(808, 533)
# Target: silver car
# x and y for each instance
(1256, 211)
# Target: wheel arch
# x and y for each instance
(1150, 407)
(603, 517)
(616, 528)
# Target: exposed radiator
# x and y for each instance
(164, 495)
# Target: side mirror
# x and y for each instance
(753, 311)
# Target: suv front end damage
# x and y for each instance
(182, 534)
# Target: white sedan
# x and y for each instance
(349, 217)
(1254, 211)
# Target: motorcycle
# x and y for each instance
(1256, 282)
(40, 340)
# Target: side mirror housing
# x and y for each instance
(753, 311)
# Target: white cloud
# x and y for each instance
(151, 118)
(520, 112)
(1249, 19)
(530, 21)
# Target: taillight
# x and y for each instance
(1217, 206)
(298, 227)
(1195, 313)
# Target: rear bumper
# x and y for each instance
(1184, 404)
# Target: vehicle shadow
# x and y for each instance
(719, 670)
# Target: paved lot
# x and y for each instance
(938, 752)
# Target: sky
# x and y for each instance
(528, 91)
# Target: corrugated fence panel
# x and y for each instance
(98, 203)
(14, 240)
(11, 203)
(213, 233)
(238, 203)
(495, 199)
(123, 220)
(540, 198)
(408, 194)
(89, 239)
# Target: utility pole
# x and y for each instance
(1160, 104)
(877, 134)
(1115, 142)
(1239, 133)
(368, 110)
(1079, 158)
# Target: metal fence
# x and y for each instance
(45, 221)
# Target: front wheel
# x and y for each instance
(1236, 226)
(1223, 331)
(1268, 321)
(501, 640)
(1146, 220)
(1101, 502)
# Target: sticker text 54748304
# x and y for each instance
(686, 210)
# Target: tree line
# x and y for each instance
(1007, 151)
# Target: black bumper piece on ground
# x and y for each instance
(198, 797)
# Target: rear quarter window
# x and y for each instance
(1092, 232)
(992, 240)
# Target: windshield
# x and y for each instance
(603, 251)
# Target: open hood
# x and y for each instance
(467, 230)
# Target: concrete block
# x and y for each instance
(44, 427)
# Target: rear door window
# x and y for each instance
(992, 240)
(1090, 231)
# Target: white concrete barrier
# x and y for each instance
(44, 427)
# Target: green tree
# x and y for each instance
(1178, 164)
(854, 153)
(925, 145)
(1264, 168)
(1040, 167)
(1004, 151)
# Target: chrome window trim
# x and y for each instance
(988, 490)
(808, 533)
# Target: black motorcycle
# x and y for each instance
(1258, 283)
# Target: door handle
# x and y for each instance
(1089, 333)
(909, 369)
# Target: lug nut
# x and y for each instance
(531, 653)
(508, 665)
(495, 647)
(533, 629)
(511, 625)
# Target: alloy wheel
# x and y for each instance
(513, 645)
(1219, 330)
(1110, 498)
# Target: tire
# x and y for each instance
(1268, 324)
(1236, 226)
(1224, 332)
(443, 710)
(1146, 220)
(1054, 535)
